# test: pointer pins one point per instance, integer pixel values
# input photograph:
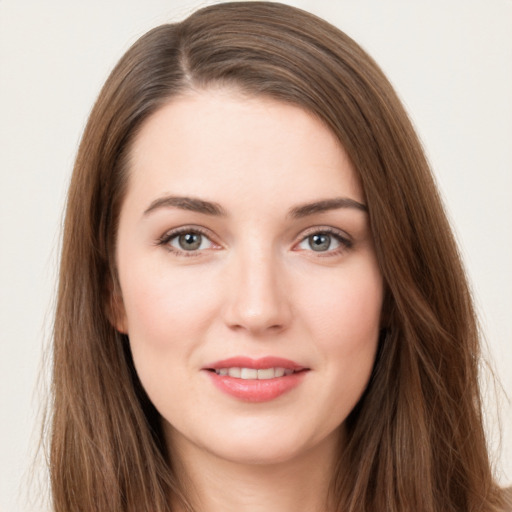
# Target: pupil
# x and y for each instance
(319, 242)
(190, 241)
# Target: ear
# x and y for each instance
(115, 309)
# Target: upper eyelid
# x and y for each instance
(324, 229)
(171, 233)
(305, 233)
(344, 239)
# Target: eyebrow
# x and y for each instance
(210, 208)
(325, 205)
(186, 203)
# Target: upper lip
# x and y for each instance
(258, 364)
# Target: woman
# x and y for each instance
(259, 286)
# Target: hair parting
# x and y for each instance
(415, 441)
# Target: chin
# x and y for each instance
(250, 454)
(257, 448)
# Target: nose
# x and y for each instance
(258, 300)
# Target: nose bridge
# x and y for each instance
(257, 301)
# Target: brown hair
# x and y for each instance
(415, 440)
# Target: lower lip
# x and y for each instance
(255, 390)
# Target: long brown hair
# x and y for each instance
(415, 440)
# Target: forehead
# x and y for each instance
(224, 144)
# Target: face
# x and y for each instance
(249, 286)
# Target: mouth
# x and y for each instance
(255, 374)
(256, 380)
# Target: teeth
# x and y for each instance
(235, 372)
(248, 373)
(268, 373)
(253, 374)
(278, 372)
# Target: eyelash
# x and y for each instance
(166, 238)
(342, 238)
(339, 236)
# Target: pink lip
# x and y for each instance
(256, 390)
(257, 364)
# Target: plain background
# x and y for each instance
(450, 61)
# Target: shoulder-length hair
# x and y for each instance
(415, 441)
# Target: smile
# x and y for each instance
(256, 380)
(253, 373)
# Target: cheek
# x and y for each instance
(344, 318)
(165, 308)
(347, 307)
(168, 314)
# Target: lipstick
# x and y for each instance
(256, 380)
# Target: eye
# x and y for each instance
(324, 241)
(319, 242)
(186, 241)
(189, 241)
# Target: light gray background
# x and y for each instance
(451, 62)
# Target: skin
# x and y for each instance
(255, 287)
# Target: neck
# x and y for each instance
(214, 484)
